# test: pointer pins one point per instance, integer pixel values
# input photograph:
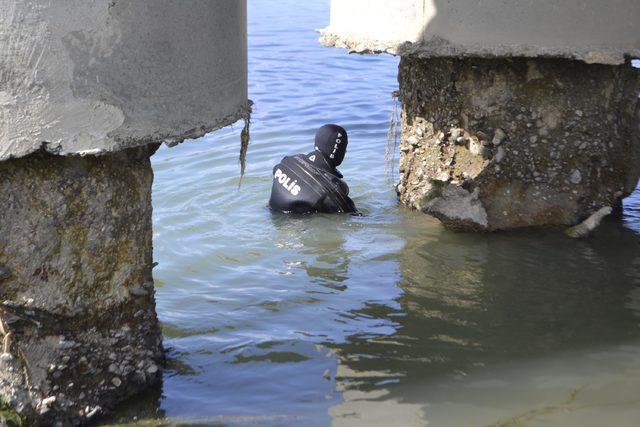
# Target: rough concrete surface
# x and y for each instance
(77, 312)
(492, 144)
(87, 77)
(590, 30)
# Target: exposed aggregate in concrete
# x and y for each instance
(492, 144)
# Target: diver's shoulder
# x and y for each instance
(293, 156)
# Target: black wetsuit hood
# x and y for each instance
(331, 141)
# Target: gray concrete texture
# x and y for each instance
(496, 144)
(89, 77)
(593, 31)
(77, 303)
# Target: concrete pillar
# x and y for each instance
(589, 30)
(88, 91)
(492, 144)
(77, 288)
(513, 115)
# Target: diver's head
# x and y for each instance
(331, 140)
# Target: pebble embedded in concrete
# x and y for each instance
(498, 137)
(576, 177)
(5, 273)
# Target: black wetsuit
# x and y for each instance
(311, 183)
(308, 184)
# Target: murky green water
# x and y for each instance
(384, 319)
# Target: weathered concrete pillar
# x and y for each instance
(78, 307)
(513, 115)
(88, 91)
(504, 143)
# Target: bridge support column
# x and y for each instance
(79, 327)
(88, 91)
(501, 143)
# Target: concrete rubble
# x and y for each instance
(588, 225)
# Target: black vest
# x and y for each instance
(301, 187)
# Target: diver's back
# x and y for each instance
(294, 189)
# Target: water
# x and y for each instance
(384, 319)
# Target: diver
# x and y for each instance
(311, 183)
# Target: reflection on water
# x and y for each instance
(495, 327)
(384, 319)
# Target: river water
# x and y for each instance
(384, 319)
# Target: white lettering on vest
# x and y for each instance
(283, 179)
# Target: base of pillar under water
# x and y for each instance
(77, 318)
(490, 144)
